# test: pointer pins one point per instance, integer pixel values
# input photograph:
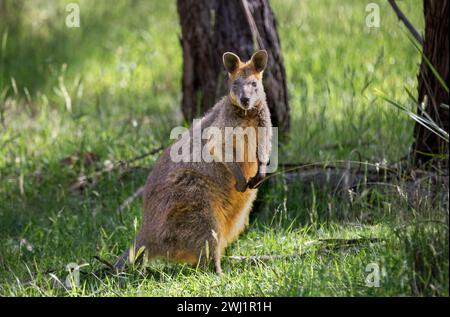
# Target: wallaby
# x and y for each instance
(193, 210)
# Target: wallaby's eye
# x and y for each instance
(254, 83)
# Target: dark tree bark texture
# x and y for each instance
(436, 49)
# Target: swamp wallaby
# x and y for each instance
(193, 209)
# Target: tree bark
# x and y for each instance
(436, 49)
(211, 27)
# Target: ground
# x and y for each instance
(73, 101)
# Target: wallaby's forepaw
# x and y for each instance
(256, 181)
(241, 186)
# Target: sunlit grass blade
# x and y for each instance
(425, 122)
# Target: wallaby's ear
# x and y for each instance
(259, 60)
(231, 62)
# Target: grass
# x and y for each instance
(122, 72)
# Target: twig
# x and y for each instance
(103, 261)
(308, 170)
(140, 157)
(289, 167)
(257, 40)
(91, 180)
(262, 257)
(405, 21)
(349, 242)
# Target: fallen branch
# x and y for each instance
(130, 199)
(329, 174)
(85, 181)
(262, 258)
(349, 176)
(103, 261)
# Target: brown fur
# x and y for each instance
(192, 211)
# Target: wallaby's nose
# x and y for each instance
(245, 101)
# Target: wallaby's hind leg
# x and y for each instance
(216, 259)
(209, 257)
(193, 236)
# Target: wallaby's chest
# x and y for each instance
(233, 218)
(249, 148)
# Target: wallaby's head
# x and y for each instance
(245, 79)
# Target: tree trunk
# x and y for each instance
(211, 27)
(436, 50)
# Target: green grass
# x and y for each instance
(122, 70)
